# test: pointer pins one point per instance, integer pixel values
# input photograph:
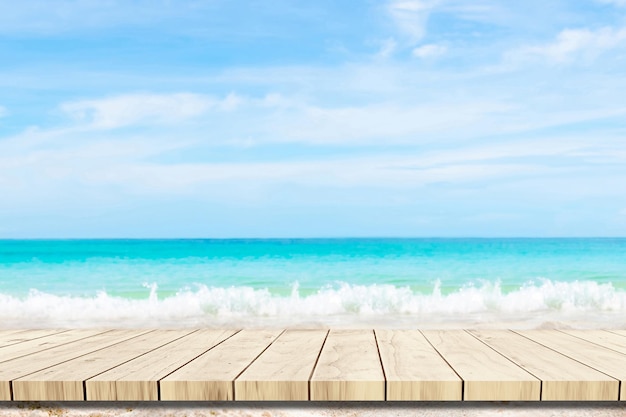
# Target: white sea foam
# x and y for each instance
(541, 304)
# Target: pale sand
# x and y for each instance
(333, 409)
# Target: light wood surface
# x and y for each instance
(11, 337)
(282, 372)
(603, 359)
(137, 380)
(414, 369)
(9, 332)
(621, 332)
(64, 382)
(25, 365)
(349, 368)
(562, 378)
(28, 347)
(487, 375)
(301, 365)
(601, 337)
(210, 376)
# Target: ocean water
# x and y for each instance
(401, 283)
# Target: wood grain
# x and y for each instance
(64, 381)
(282, 372)
(28, 347)
(414, 370)
(210, 376)
(604, 360)
(137, 380)
(604, 338)
(300, 365)
(349, 368)
(487, 375)
(12, 337)
(620, 332)
(25, 365)
(562, 378)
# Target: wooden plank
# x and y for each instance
(210, 376)
(562, 378)
(604, 360)
(620, 332)
(25, 365)
(282, 372)
(349, 368)
(414, 370)
(64, 382)
(137, 380)
(4, 332)
(604, 338)
(487, 375)
(29, 347)
(13, 337)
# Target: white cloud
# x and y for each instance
(571, 43)
(411, 17)
(160, 109)
(429, 50)
(387, 48)
(126, 166)
(382, 123)
(132, 109)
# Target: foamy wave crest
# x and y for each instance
(545, 303)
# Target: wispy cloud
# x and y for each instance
(137, 109)
(387, 48)
(429, 50)
(384, 123)
(411, 17)
(126, 164)
(571, 44)
(118, 103)
(120, 111)
(129, 163)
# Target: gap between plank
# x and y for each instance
(316, 362)
(193, 359)
(589, 341)
(611, 331)
(76, 357)
(448, 363)
(145, 353)
(380, 359)
(510, 360)
(574, 359)
(189, 361)
(505, 357)
(257, 357)
(57, 331)
(53, 346)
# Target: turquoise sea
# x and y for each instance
(313, 282)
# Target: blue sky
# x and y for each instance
(312, 118)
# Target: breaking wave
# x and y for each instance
(536, 304)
